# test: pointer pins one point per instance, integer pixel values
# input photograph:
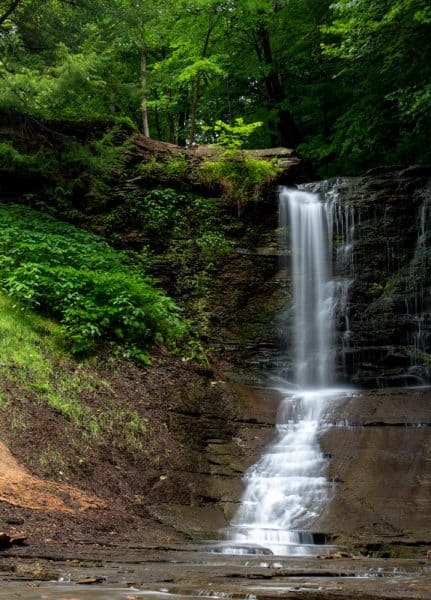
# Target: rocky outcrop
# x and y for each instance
(378, 443)
(389, 283)
(390, 271)
(214, 482)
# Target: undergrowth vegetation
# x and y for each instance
(33, 361)
(69, 171)
(78, 278)
(171, 168)
(240, 176)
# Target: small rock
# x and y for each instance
(6, 540)
(18, 540)
(13, 521)
(338, 554)
(91, 580)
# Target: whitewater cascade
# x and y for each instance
(312, 286)
(287, 488)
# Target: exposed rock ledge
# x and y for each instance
(291, 165)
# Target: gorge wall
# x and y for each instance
(378, 442)
(223, 269)
(387, 297)
(390, 270)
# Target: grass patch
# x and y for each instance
(29, 346)
(33, 358)
(241, 177)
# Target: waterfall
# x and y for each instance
(417, 303)
(312, 287)
(288, 488)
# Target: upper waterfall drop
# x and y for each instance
(313, 288)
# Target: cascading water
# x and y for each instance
(417, 303)
(312, 286)
(287, 488)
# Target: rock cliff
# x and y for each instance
(390, 273)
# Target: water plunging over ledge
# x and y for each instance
(313, 289)
(287, 488)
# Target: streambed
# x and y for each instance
(186, 572)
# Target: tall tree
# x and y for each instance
(384, 51)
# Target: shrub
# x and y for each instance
(78, 278)
(157, 213)
(240, 176)
(70, 169)
(213, 244)
(175, 168)
(41, 163)
(233, 136)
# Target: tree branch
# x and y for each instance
(9, 11)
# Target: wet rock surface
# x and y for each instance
(378, 443)
(389, 273)
(101, 569)
(391, 277)
(217, 479)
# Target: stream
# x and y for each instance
(187, 572)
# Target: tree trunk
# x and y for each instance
(9, 11)
(144, 109)
(322, 97)
(181, 136)
(197, 89)
(158, 127)
(171, 127)
(287, 130)
(196, 94)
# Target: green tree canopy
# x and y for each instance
(347, 82)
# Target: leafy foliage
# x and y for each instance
(70, 171)
(32, 357)
(13, 161)
(80, 279)
(382, 47)
(157, 214)
(236, 136)
(347, 80)
(240, 176)
(170, 169)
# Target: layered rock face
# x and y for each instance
(382, 267)
(377, 441)
(389, 270)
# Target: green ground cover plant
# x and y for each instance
(93, 291)
(239, 175)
